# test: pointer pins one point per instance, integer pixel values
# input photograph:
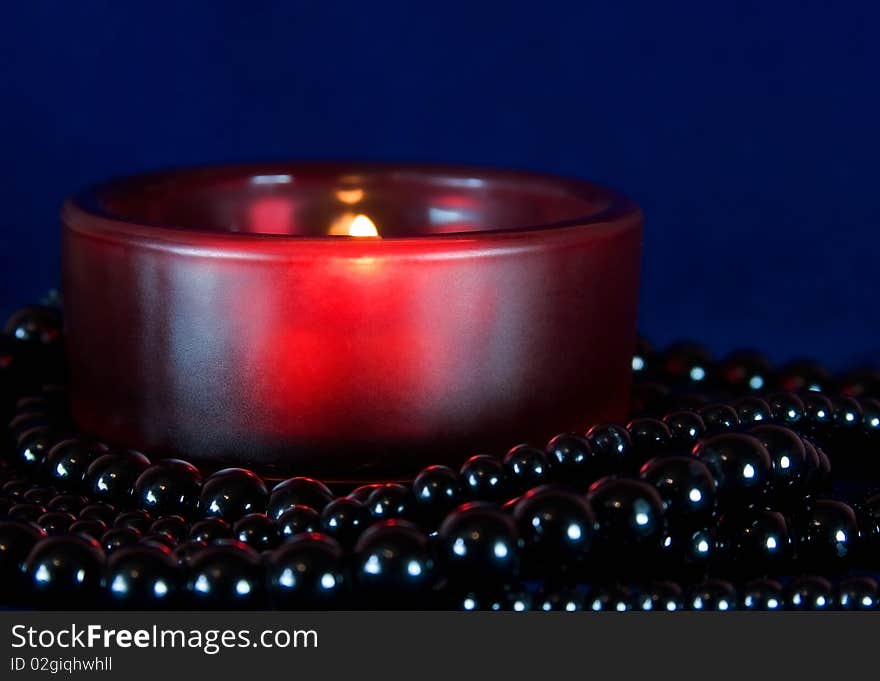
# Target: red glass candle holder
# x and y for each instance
(210, 314)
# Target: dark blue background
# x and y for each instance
(748, 131)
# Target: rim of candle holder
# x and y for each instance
(85, 213)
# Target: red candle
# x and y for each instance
(215, 314)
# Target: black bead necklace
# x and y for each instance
(719, 494)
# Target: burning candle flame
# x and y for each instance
(358, 225)
(362, 226)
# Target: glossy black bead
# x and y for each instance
(745, 371)
(210, 530)
(791, 469)
(363, 492)
(755, 541)
(15, 488)
(525, 467)
(612, 449)
(819, 411)
(479, 541)
(170, 487)
(739, 463)
(307, 572)
(110, 478)
(298, 492)
(751, 410)
(762, 595)
(344, 519)
(810, 592)
(803, 375)
(67, 462)
(660, 596)
(34, 446)
(688, 552)
(118, 537)
(141, 577)
(39, 495)
(557, 529)
(847, 413)
(786, 408)
(106, 513)
(257, 531)
(25, 512)
(610, 598)
(71, 503)
(828, 536)
(226, 576)
(685, 428)
(650, 437)
(184, 553)
(139, 520)
(172, 526)
(232, 493)
(393, 559)
(563, 599)
(571, 458)
(23, 424)
(22, 427)
(94, 529)
(686, 363)
(482, 478)
(719, 418)
(16, 541)
(298, 520)
(517, 599)
(631, 522)
(29, 446)
(715, 595)
(870, 416)
(686, 486)
(39, 324)
(858, 593)
(436, 490)
(389, 501)
(64, 572)
(56, 523)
